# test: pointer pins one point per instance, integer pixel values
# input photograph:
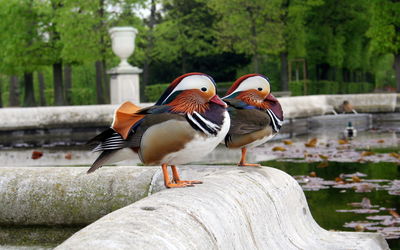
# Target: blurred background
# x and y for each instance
(57, 52)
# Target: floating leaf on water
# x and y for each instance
(364, 188)
(367, 153)
(381, 141)
(359, 211)
(36, 154)
(395, 155)
(355, 178)
(355, 174)
(353, 224)
(278, 148)
(379, 217)
(359, 228)
(339, 180)
(365, 203)
(323, 164)
(68, 156)
(312, 174)
(394, 213)
(342, 142)
(287, 142)
(324, 157)
(311, 143)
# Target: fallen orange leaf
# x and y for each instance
(323, 164)
(381, 141)
(359, 228)
(339, 180)
(342, 142)
(324, 157)
(394, 213)
(395, 155)
(312, 174)
(68, 156)
(287, 142)
(36, 154)
(277, 148)
(311, 143)
(367, 153)
(355, 178)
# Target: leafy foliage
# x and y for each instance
(348, 46)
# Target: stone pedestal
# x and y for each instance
(124, 85)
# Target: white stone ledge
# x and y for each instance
(235, 208)
(101, 115)
(67, 195)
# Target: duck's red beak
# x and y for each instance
(271, 98)
(218, 101)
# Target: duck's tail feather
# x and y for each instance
(103, 158)
(101, 137)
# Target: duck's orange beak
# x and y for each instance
(218, 101)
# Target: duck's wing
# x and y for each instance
(246, 118)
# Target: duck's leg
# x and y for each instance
(167, 181)
(176, 179)
(243, 163)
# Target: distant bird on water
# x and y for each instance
(256, 115)
(187, 122)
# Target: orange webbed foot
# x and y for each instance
(243, 164)
(176, 181)
(189, 182)
(178, 185)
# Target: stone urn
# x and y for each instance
(123, 43)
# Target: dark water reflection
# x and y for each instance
(324, 203)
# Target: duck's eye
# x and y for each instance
(204, 89)
(259, 89)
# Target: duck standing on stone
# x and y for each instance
(256, 115)
(187, 122)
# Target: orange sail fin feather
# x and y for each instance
(125, 117)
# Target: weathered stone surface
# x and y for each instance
(101, 115)
(67, 195)
(235, 208)
(366, 103)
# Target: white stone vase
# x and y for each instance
(123, 43)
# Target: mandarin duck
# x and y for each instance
(256, 115)
(186, 123)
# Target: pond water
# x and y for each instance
(350, 185)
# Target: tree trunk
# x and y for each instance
(149, 47)
(99, 82)
(396, 66)
(14, 92)
(68, 84)
(59, 99)
(256, 63)
(29, 93)
(324, 71)
(284, 71)
(106, 83)
(42, 87)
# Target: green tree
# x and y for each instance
(21, 44)
(185, 32)
(249, 27)
(384, 31)
(291, 22)
(337, 44)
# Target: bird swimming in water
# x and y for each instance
(256, 115)
(187, 122)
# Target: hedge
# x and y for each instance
(329, 87)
